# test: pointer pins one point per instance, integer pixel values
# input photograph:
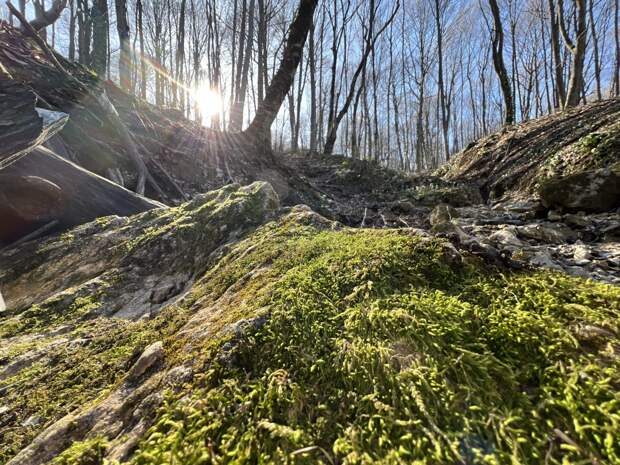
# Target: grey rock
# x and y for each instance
(521, 206)
(590, 191)
(506, 237)
(543, 259)
(443, 213)
(151, 355)
(549, 232)
(575, 219)
(582, 253)
(33, 420)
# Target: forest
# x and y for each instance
(407, 83)
(338, 232)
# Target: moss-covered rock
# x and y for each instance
(303, 341)
(379, 350)
(588, 191)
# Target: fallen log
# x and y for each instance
(45, 187)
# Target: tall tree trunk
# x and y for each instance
(440, 81)
(72, 30)
(283, 79)
(597, 60)
(558, 65)
(124, 60)
(99, 56)
(617, 40)
(370, 41)
(140, 27)
(577, 49)
(313, 92)
(179, 57)
(498, 63)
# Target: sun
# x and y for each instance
(208, 100)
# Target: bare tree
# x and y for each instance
(370, 40)
(577, 49)
(124, 61)
(498, 63)
(283, 79)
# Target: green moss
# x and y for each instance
(89, 452)
(63, 308)
(599, 146)
(378, 350)
(70, 376)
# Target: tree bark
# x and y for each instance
(498, 63)
(44, 17)
(283, 79)
(99, 56)
(558, 65)
(124, 61)
(577, 49)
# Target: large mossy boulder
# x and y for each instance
(296, 340)
(588, 191)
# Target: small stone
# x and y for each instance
(543, 259)
(522, 206)
(179, 375)
(587, 333)
(549, 233)
(554, 216)
(32, 421)
(582, 253)
(151, 355)
(612, 231)
(443, 213)
(580, 221)
(402, 207)
(506, 237)
(450, 230)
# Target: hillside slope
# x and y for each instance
(513, 163)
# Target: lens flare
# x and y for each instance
(208, 100)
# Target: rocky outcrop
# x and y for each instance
(231, 328)
(589, 191)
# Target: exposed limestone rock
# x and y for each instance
(151, 355)
(507, 237)
(443, 213)
(590, 191)
(549, 232)
(61, 293)
(93, 255)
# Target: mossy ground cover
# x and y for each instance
(77, 368)
(380, 350)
